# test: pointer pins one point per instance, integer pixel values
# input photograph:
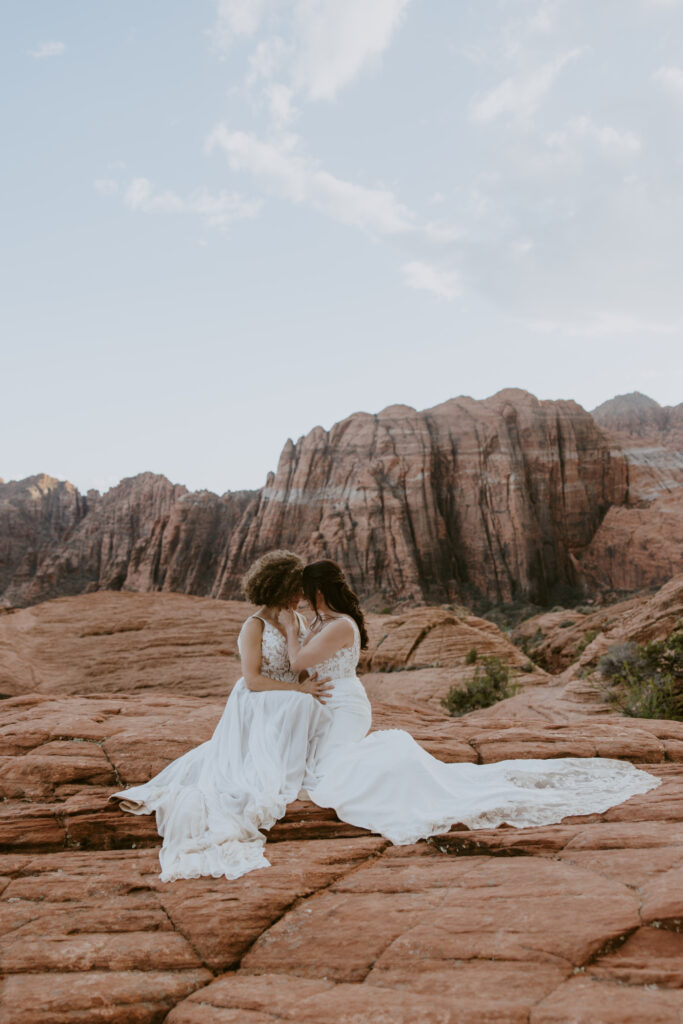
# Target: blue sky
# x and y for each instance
(226, 222)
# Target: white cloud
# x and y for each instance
(310, 48)
(236, 18)
(608, 140)
(52, 48)
(520, 95)
(280, 104)
(300, 179)
(336, 40)
(544, 19)
(444, 283)
(216, 210)
(672, 79)
(603, 324)
(106, 186)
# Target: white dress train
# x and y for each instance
(388, 783)
(211, 803)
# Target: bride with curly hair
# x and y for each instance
(212, 802)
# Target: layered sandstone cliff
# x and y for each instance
(472, 498)
(476, 501)
(640, 543)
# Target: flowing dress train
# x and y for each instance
(388, 783)
(212, 802)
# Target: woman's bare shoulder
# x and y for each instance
(252, 627)
(340, 627)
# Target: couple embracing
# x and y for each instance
(296, 724)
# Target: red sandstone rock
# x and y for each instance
(650, 956)
(125, 642)
(638, 417)
(589, 1000)
(497, 498)
(457, 488)
(569, 637)
(501, 925)
(36, 516)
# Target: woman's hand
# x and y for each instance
(321, 689)
(288, 621)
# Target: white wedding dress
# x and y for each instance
(211, 803)
(388, 783)
(270, 747)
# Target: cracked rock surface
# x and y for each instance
(575, 923)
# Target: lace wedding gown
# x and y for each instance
(388, 783)
(211, 803)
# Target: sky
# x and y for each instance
(228, 221)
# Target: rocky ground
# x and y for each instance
(576, 923)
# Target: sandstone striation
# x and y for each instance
(577, 638)
(472, 498)
(637, 417)
(114, 642)
(503, 499)
(512, 926)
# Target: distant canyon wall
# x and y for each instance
(508, 498)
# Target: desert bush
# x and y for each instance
(619, 659)
(529, 645)
(587, 638)
(566, 623)
(471, 656)
(509, 615)
(489, 684)
(646, 680)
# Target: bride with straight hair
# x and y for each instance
(386, 782)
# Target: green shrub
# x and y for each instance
(646, 680)
(471, 656)
(529, 645)
(587, 638)
(566, 623)
(490, 683)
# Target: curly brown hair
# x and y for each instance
(274, 579)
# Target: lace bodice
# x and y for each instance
(343, 662)
(274, 653)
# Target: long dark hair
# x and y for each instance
(327, 578)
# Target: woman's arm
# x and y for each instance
(327, 642)
(250, 653)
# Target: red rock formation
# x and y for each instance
(36, 515)
(124, 642)
(640, 543)
(467, 499)
(505, 925)
(637, 416)
(497, 500)
(143, 534)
